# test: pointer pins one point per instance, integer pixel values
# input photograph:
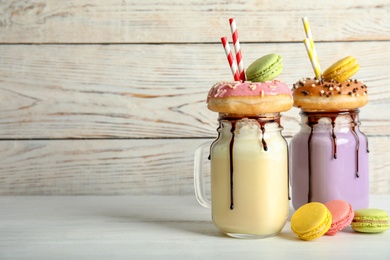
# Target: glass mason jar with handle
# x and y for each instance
(249, 176)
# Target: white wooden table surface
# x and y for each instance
(155, 227)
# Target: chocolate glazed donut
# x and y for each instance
(319, 95)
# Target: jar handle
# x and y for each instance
(199, 176)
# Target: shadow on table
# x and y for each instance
(182, 216)
(173, 214)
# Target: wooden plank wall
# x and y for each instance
(108, 97)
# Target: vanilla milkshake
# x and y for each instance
(250, 177)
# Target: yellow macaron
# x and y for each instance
(342, 69)
(311, 221)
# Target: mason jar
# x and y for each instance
(329, 159)
(249, 176)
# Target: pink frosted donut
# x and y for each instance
(250, 98)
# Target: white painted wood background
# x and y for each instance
(108, 97)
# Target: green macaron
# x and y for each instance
(265, 68)
(370, 221)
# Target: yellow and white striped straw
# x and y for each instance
(311, 50)
(306, 26)
(313, 58)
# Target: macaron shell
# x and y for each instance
(342, 69)
(370, 221)
(338, 66)
(265, 68)
(347, 73)
(370, 227)
(342, 215)
(311, 221)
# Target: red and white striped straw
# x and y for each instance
(230, 58)
(237, 48)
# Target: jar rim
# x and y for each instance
(262, 117)
(329, 113)
(340, 118)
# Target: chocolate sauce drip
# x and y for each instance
(312, 119)
(309, 161)
(356, 149)
(353, 116)
(353, 129)
(231, 164)
(262, 124)
(334, 139)
(365, 136)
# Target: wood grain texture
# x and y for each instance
(112, 167)
(156, 21)
(97, 167)
(108, 97)
(149, 227)
(138, 91)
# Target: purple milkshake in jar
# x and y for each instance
(329, 155)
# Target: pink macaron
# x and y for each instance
(342, 215)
